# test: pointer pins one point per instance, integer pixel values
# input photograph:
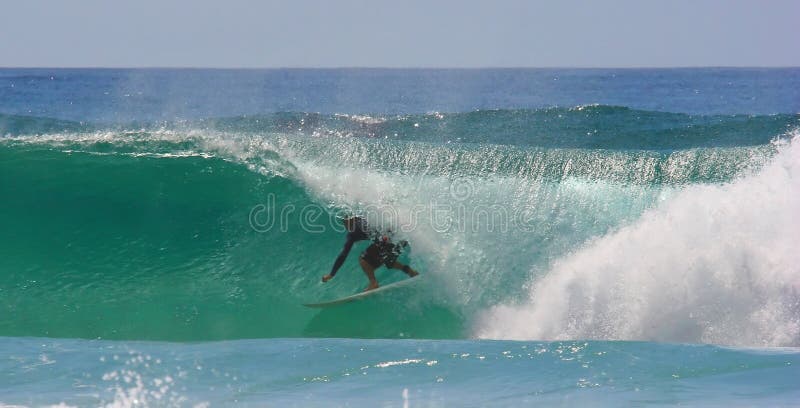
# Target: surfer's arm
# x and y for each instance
(340, 259)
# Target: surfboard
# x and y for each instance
(362, 295)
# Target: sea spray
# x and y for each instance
(714, 264)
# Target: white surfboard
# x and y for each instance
(362, 295)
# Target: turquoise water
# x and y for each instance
(409, 373)
(579, 243)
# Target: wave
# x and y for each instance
(581, 127)
(15, 125)
(148, 234)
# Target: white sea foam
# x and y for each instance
(714, 264)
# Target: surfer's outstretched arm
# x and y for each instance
(339, 260)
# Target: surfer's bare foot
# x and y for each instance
(371, 286)
(327, 278)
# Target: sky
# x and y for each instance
(401, 33)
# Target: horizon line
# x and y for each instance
(354, 67)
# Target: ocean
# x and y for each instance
(585, 237)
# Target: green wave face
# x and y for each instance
(150, 234)
(161, 247)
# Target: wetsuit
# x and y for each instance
(359, 233)
(381, 252)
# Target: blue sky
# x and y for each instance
(349, 33)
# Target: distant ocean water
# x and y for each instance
(585, 237)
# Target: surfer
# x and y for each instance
(382, 251)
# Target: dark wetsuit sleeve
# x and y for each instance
(343, 255)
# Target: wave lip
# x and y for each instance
(584, 127)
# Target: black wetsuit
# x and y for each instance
(360, 232)
(380, 252)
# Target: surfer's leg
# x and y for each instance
(369, 270)
(405, 268)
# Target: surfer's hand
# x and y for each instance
(327, 278)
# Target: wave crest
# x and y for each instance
(714, 264)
